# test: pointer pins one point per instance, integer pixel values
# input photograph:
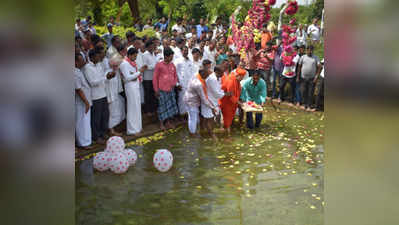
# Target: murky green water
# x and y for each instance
(273, 175)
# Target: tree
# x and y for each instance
(120, 4)
(134, 9)
(317, 9)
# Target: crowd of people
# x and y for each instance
(192, 73)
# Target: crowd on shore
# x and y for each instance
(189, 72)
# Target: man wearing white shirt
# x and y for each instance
(197, 62)
(288, 76)
(139, 45)
(178, 50)
(218, 28)
(116, 103)
(185, 72)
(179, 27)
(215, 92)
(115, 44)
(191, 45)
(132, 76)
(91, 28)
(96, 78)
(210, 53)
(308, 66)
(82, 104)
(78, 25)
(150, 59)
(301, 36)
(314, 31)
(148, 25)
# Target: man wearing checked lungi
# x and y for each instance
(164, 82)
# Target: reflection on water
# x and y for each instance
(269, 176)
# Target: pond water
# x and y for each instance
(273, 175)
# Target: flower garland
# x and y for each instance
(249, 33)
(288, 37)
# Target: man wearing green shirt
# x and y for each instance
(254, 89)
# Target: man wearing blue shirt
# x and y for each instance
(162, 24)
(201, 28)
(254, 89)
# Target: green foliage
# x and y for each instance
(147, 32)
(317, 9)
(121, 31)
(319, 50)
(116, 30)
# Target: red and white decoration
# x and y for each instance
(119, 163)
(163, 160)
(131, 156)
(288, 39)
(115, 144)
(115, 157)
(101, 162)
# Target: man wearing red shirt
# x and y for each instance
(265, 59)
(164, 82)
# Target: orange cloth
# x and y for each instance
(224, 77)
(266, 37)
(240, 71)
(229, 40)
(229, 104)
(203, 85)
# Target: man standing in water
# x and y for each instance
(196, 95)
(229, 104)
(215, 92)
(254, 89)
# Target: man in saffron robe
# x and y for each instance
(229, 104)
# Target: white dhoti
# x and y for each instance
(82, 126)
(133, 117)
(116, 111)
(206, 111)
(193, 119)
(183, 108)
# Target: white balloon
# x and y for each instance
(115, 144)
(101, 161)
(131, 156)
(119, 163)
(163, 160)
